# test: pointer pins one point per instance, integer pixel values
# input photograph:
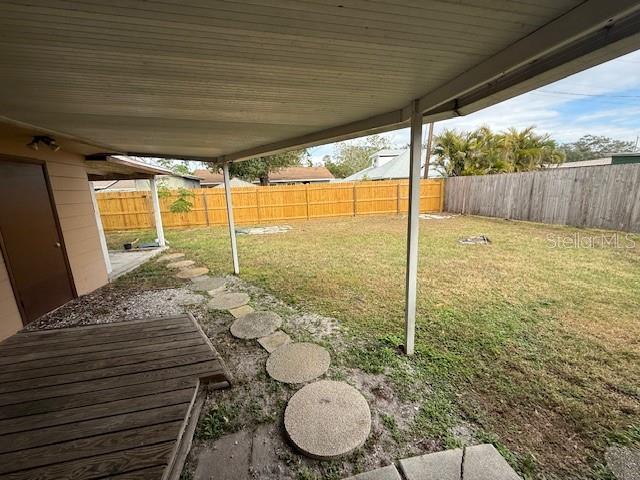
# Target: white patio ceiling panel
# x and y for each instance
(206, 78)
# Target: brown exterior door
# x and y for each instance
(30, 239)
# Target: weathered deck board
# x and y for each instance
(102, 401)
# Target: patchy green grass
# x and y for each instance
(537, 346)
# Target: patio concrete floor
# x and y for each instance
(124, 261)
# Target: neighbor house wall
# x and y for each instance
(72, 197)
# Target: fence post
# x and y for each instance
(398, 198)
(354, 199)
(441, 195)
(206, 206)
(258, 203)
(306, 198)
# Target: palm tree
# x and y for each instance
(482, 152)
(525, 150)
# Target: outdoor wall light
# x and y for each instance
(48, 141)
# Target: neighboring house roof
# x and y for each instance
(237, 183)
(584, 163)
(131, 185)
(207, 177)
(301, 174)
(389, 152)
(290, 174)
(120, 185)
(396, 168)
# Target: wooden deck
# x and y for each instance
(106, 401)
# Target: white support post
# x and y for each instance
(232, 226)
(157, 216)
(101, 236)
(412, 231)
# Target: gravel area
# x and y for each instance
(112, 304)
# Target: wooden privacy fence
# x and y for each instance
(600, 197)
(133, 210)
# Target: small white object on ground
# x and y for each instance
(433, 216)
(327, 419)
(256, 325)
(298, 362)
(263, 230)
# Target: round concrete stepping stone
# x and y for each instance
(181, 264)
(298, 362)
(170, 256)
(228, 300)
(192, 272)
(256, 325)
(327, 419)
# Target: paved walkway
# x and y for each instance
(126, 261)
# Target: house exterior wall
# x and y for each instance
(10, 321)
(72, 198)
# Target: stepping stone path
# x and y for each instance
(274, 341)
(240, 311)
(256, 325)
(206, 283)
(228, 300)
(624, 462)
(192, 272)
(181, 264)
(481, 462)
(298, 362)
(327, 419)
(170, 256)
(324, 419)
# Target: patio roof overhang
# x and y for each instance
(109, 167)
(225, 81)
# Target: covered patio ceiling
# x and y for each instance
(227, 80)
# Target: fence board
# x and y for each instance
(132, 210)
(601, 197)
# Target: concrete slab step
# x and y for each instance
(385, 473)
(433, 466)
(480, 462)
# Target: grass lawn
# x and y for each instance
(525, 344)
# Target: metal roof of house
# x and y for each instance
(237, 183)
(596, 162)
(283, 175)
(228, 80)
(395, 168)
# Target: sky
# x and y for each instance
(604, 100)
